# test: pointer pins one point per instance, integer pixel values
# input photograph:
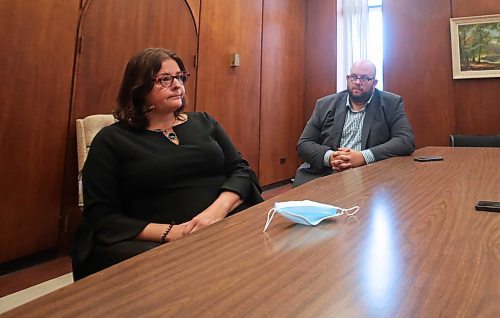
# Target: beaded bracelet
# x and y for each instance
(164, 236)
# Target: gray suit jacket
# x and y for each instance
(386, 132)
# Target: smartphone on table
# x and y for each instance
(489, 206)
(428, 158)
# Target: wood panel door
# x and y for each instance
(283, 88)
(36, 62)
(417, 65)
(194, 6)
(232, 94)
(110, 32)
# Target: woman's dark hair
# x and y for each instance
(137, 82)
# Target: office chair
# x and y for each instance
(474, 141)
(86, 129)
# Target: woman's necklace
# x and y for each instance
(169, 132)
(171, 135)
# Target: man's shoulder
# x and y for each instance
(384, 95)
(332, 99)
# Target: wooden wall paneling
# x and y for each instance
(321, 52)
(417, 65)
(283, 88)
(231, 95)
(111, 32)
(38, 39)
(476, 107)
(476, 100)
(468, 8)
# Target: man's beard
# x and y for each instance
(361, 99)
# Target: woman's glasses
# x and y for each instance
(166, 80)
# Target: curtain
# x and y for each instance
(352, 37)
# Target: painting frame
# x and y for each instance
(469, 35)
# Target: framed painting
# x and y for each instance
(475, 46)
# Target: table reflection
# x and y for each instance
(380, 263)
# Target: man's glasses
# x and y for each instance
(363, 79)
(166, 80)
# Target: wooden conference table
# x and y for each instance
(416, 248)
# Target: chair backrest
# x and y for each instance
(86, 129)
(474, 141)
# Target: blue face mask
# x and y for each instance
(307, 212)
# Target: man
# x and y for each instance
(353, 128)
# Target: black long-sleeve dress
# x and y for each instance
(135, 176)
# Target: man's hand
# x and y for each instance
(346, 158)
(338, 159)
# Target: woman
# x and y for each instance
(158, 173)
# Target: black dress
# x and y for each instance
(135, 176)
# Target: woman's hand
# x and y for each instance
(176, 232)
(225, 203)
(208, 216)
(154, 231)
